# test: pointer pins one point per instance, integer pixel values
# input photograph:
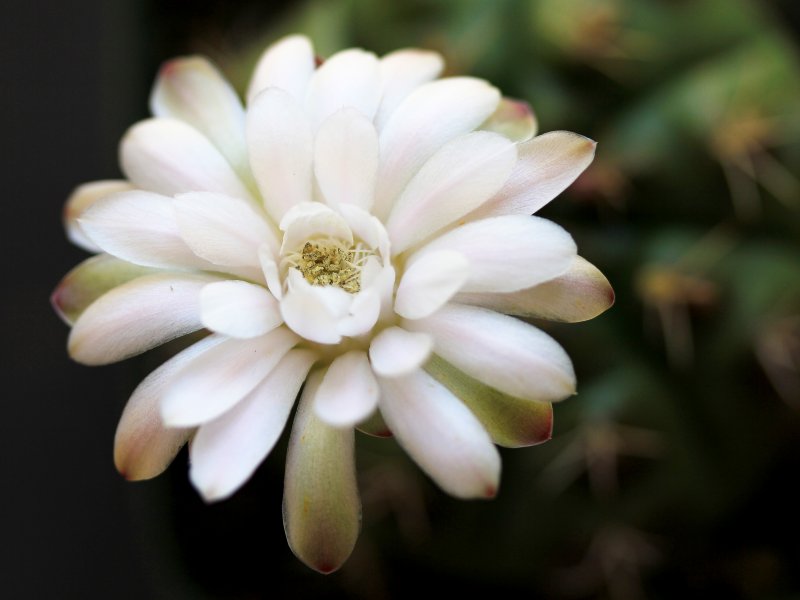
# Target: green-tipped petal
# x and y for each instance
(511, 422)
(513, 119)
(321, 506)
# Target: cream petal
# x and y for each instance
(462, 175)
(280, 143)
(507, 253)
(81, 199)
(348, 392)
(270, 269)
(547, 164)
(362, 314)
(143, 446)
(365, 227)
(287, 64)
(171, 157)
(429, 283)
(321, 507)
(350, 78)
(346, 159)
(238, 309)
(395, 352)
(513, 119)
(402, 71)
(430, 116)
(191, 89)
(312, 220)
(314, 311)
(214, 382)
(137, 316)
(227, 451)
(500, 351)
(442, 436)
(579, 294)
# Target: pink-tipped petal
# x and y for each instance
(513, 119)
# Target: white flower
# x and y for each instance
(360, 227)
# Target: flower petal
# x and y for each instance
(321, 507)
(511, 422)
(429, 283)
(507, 253)
(88, 281)
(238, 309)
(500, 351)
(287, 64)
(375, 426)
(395, 351)
(314, 311)
(227, 451)
(346, 159)
(280, 143)
(171, 157)
(348, 392)
(402, 72)
(430, 116)
(143, 446)
(218, 379)
(270, 269)
(136, 316)
(579, 294)
(348, 78)
(513, 119)
(462, 175)
(547, 165)
(310, 220)
(81, 199)
(191, 89)
(442, 436)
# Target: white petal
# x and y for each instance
(441, 435)
(287, 64)
(365, 227)
(402, 72)
(508, 253)
(429, 283)
(348, 392)
(312, 220)
(170, 157)
(80, 200)
(136, 316)
(216, 380)
(193, 90)
(223, 230)
(238, 309)
(461, 176)
(500, 351)
(430, 116)
(270, 269)
(143, 446)
(348, 78)
(513, 119)
(346, 159)
(547, 165)
(226, 451)
(314, 311)
(395, 352)
(280, 143)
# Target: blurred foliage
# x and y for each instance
(665, 476)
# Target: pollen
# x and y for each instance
(330, 264)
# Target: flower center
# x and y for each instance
(331, 263)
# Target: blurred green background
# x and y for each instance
(671, 473)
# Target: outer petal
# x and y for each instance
(143, 446)
(81, 199)
(403, 71)
(580, 294)
(395, 352)
(547, 165)
(430, 116)
(88, 281)
(429, 283)
(321, 508)
(507, 253)
(500, 351)
(171, 157)
(137, 316)
(348, 392)
(346, 159)
(287, 64)
(193, 90)
(441, 435)
(238, 309)
(462, 175)
(226, 451)
(218, 379)
(513, 119)
(280, 143)
(511, 422)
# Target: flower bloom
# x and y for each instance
(361, 230)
